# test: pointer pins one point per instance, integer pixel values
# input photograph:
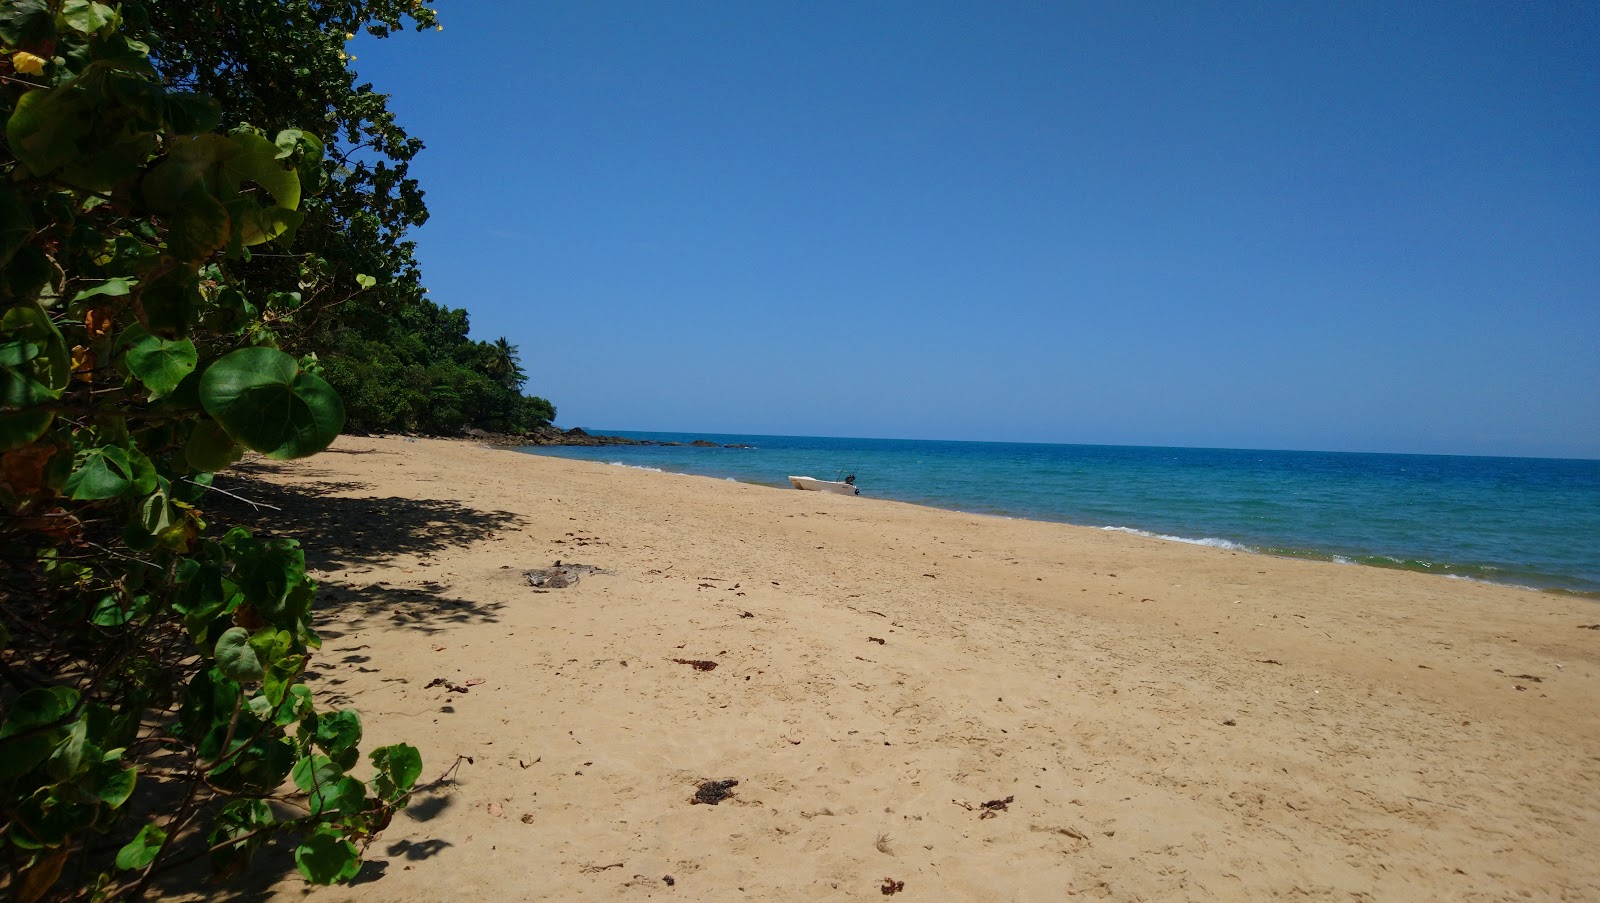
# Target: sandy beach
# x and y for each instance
(1147, 720)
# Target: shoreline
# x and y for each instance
(1381, 561)
(1170, 721)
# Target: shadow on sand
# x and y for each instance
(351, 534)
(345, 534)
(339, 531)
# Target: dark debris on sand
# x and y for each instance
(713, 792)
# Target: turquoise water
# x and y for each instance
(1524, 521)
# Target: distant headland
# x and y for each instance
(549, 434)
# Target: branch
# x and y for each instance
(256, 505)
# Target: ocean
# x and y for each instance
(1532, 522)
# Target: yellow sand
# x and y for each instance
(1174, 722)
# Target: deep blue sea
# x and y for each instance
(1526, 521)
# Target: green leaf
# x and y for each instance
(257, 161)
(26, 22)
(315, 771)
(67, 759)
(190, 163)
(170, 302)
(81, 134)
(114, 288)
(86, 16)
(200, 226)
(16, 224)
(235, 658)
(365, 281)
(45, 128)
(268, 404)
(270, 645)
(347, 796)
(238, 821)
(210, 448)
(52, 365)
(109, 472)
(116, 785)
(339, 733)
(109, 613)
(17, 430)
(280, 681)
(37, 708)
(142, 849)
(22, 744)
(158, 363)
(398, 765)
(327, 858)
(188, 113)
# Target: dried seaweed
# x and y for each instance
(711, 793)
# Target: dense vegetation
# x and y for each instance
(399, 360)
(424, 374)
(174, 271)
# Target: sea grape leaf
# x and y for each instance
(347, 795)
(279, 683)
(22, 746)
(26, 23)
(16, 224)
(210, 448)
(45, 128)
(257, 160)
(315, 771)
(34, 881)
(200, 226)
(190, 163)
(267, 403)
(169, 303)
(17, 430)
(109, 613)
(80, 134)
(143, 848)
(114, 288)
(115, 784)
(188, 113)
(398, 766)
(37, 708)
(327, 858)
(109, 472)
(338, 733)
(66, 760)
(86, 15)
(270, 645)
(158, 363)
(236, 659)
(51, 363)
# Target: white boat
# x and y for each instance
(812, 483)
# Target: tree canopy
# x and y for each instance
(400, 361)
(177, 270)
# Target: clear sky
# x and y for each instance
(1314, 225)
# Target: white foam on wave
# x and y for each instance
(1210, 541)
(636, 466)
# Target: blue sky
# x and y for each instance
(1340, 226)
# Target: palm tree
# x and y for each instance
(505, 366)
